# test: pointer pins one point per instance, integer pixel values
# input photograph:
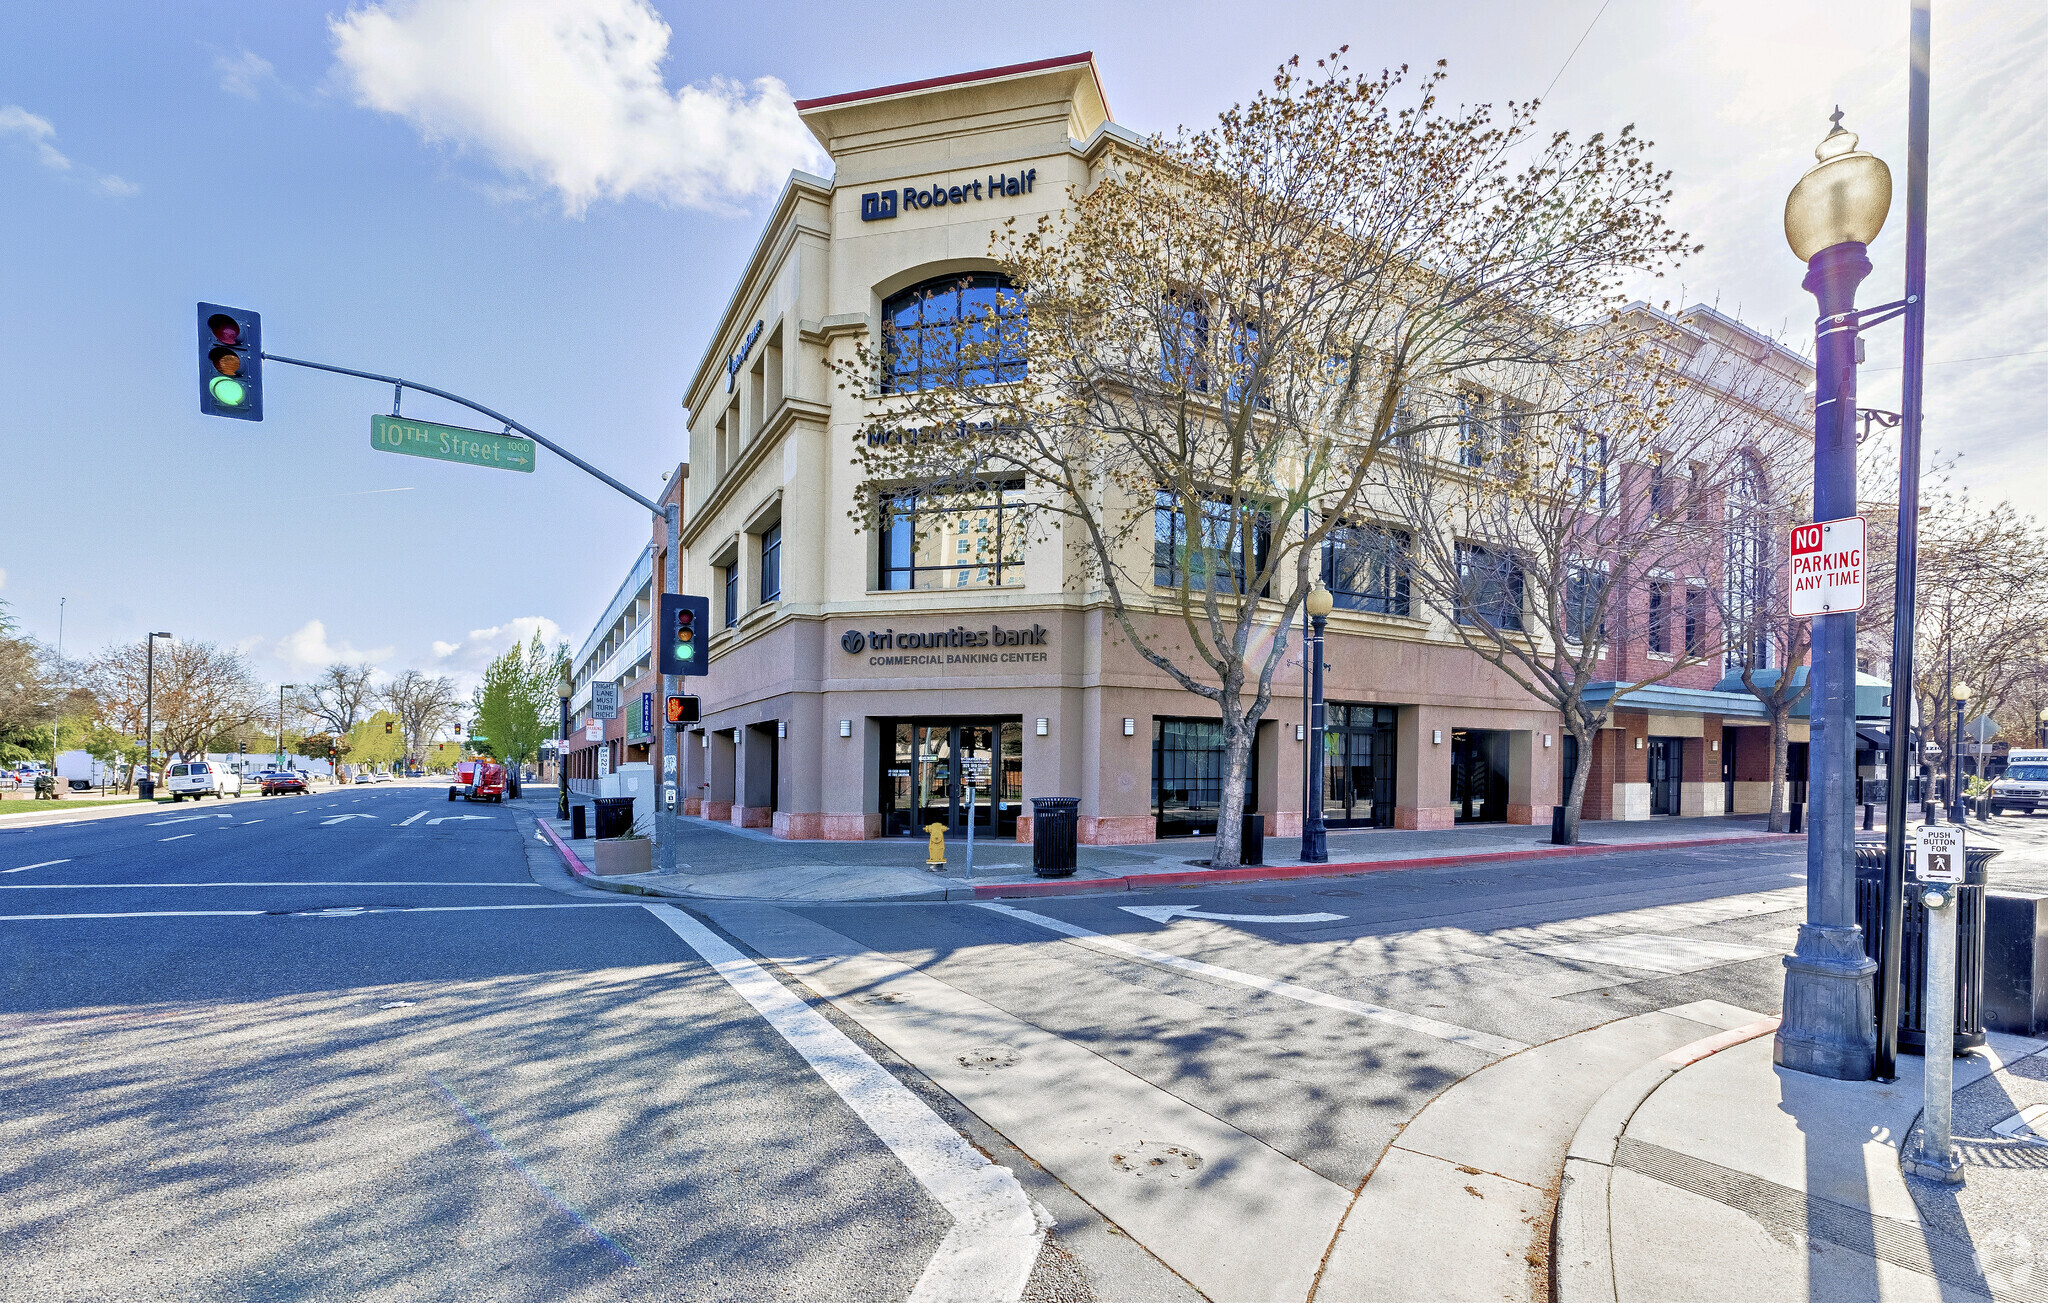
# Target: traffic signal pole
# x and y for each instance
(670, 515)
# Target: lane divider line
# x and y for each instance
(153, 886)
(43, 865)
(357, 913)
(180, 837)
(997, 1231)
(1485, 1042)
(421, 815)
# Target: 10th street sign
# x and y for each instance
(503, 452)
(1828, 567)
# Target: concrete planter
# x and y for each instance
(624, 855)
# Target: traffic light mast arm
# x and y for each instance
(509, 423)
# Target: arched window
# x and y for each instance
(962, 329)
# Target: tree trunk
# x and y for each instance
(1575, 799)
(1237, 754)
(1780, 742)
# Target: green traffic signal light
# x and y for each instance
(228, 391)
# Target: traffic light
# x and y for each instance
(245, 748)
(682, 710)
(387, 728)
(230, 362)
(685, 625)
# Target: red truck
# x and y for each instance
(478, 780)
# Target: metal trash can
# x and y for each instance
(1252, 844)
(1913, 944)
(614, 816)
(577, 829)
(145, 789)
(1055, 835)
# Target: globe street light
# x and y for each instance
(280, 719)
(2042, 728)
(1830, 1020)
(1315, 845)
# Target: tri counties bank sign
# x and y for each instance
(940, 648)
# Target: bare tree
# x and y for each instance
(1582, 547)
(206, 695)
(423, 704)
(1184, 377)
(341, 697)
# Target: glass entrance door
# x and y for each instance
(1358, 766)
(1666, 767)
(1479, 775)
(946, 771)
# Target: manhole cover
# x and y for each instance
(1156, 1158)
(884, 997)
(987, 1058)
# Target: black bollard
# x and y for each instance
(576, 826)
(1557, 825)
(1869, 816)
(1798, 817)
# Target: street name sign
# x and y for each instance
(503, 452)
(1828, 567)
(604, 699)
(1938, 855)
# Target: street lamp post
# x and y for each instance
(280, 719)
(2041, 729)
(565, 688)
(1961, 695)
(1315, 845)
(149, 709)
(1830, 1022)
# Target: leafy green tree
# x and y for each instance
(516, 703)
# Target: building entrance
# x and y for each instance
(1358, 766)
(1479, 775)
(948, 770)
(1667, 766)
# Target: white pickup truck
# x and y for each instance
(199, 779)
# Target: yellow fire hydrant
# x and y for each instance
(935, 857)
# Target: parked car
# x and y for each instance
(2024, 784)
(279, 781)
(479, 780)
(366, 777)
(200, 778)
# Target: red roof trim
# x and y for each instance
(986, 74)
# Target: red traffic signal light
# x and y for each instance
(387, 728)
(682, 710)
(230, 362)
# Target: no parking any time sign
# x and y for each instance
(1828, 567)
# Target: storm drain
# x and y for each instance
(1793, 1217)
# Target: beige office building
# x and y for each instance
(857, 676)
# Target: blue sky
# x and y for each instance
(455, 191)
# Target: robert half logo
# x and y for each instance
(852, 641)
(873, 208)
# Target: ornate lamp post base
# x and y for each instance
(1830, 1024)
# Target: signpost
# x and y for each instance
(503, 452)
(1828, 569)
(1939, 867)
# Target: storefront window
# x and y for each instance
(1489, 588)
(1187, 777)
(971, 538)
(1365, 567)
(954, 330)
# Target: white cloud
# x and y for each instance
(38, 133)
(307, 649)
(244, 73)
(570, 94)
(3, 579)
(465, 660)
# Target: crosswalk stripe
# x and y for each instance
(1483, 1041)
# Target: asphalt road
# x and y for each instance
(328, 1047)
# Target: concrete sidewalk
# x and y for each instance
(722, 862)
(1713, 1175)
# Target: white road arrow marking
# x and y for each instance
(158, 823)
(339, 817)
(42, 865)
(455, 818)
(421, 815)
(1167, 913)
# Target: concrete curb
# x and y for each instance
(1162, 881)
(1581, 1235)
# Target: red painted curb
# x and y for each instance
(1282, 872)
(571, 859)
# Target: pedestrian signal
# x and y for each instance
(230, 362)
(685, 623)
(682, 710)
